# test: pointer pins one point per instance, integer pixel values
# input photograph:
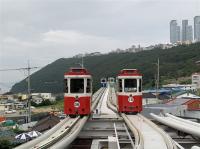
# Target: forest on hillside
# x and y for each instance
(177, 62)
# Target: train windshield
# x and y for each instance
(120, 85)
(65, 86)
(103, 80)
(140, 85)
(130, 85)
(89, 84)
(77, 86)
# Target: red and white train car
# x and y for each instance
(129, 92)
(77, 92)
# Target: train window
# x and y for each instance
(65, 86)
(88, 88)
(130, 85)
(77, 86)
(120, 85)
(140, 85)
(103, 80)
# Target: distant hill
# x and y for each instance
(174, 63)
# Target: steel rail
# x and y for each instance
(43, 136)
(109, 102)
(179, 125)
(139, 139)
(195, 147)
(75, 130)
(66, 139)
(57, 128)
(58, 134)
(139, 142)
(168, 140)
(183, 120)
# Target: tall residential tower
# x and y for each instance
(197, 28)
(174, 31)
(187, 32)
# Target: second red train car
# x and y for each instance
(77, 92)
(129, 92)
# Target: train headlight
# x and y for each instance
(76, 104)
(130, 99)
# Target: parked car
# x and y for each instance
(10, 111)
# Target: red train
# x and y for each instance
(77, 92)
(129, 92)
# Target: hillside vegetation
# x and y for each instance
(174, 63)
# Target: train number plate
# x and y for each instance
(76, 104)
(130, 99)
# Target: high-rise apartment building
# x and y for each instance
(197, 28)
(187, 32)
(174, 31)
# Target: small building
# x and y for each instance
(46, 123)
(37, 100)
(184, 87)
(174, 109)
(2, 118)
(196, 80)
(6, 106)
(44, 96)
(187, 95)
(19, 105)
(191, 104)
(149, 98)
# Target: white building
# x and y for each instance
(188, 95)
(37, 100)
(185, 87)
(6, 106)
(196, 80)
(149, 98)
(44, 96)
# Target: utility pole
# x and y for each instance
(82, 62)
(82, 65)
(29, 92)
(28, 69)
(158, 78)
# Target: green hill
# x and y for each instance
(174, 63)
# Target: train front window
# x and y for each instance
(65, 86)
(140, 85)
(77, 86)
(88, 88)
(120, 85)
(130, 85)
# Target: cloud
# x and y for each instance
(44, 30)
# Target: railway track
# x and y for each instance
(61, 135)
(180, 124)
(147, 134)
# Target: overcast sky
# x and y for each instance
(44, 30)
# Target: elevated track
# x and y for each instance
(180, 124)
(147, 134)
(61, 135)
